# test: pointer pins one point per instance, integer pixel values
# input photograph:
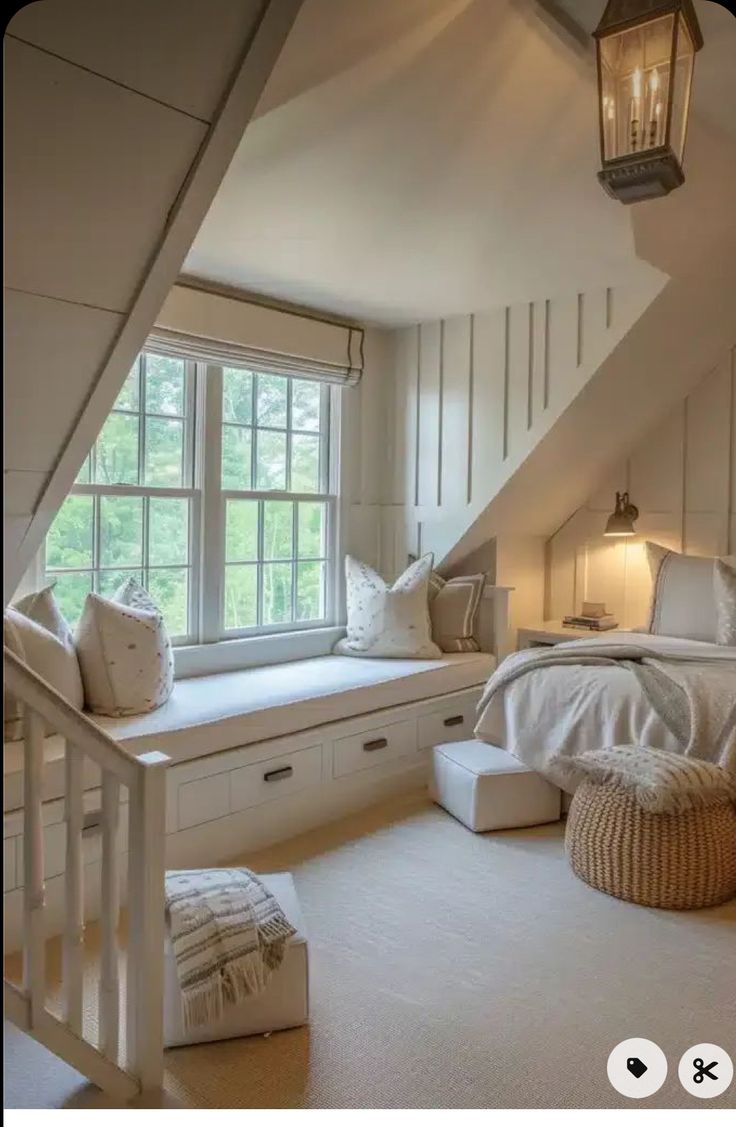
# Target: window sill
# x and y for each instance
(246, 653)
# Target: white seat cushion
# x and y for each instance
(284, 1003)
(227, 710)
(487, 788)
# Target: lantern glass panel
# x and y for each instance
(635, 85)
(681, 88)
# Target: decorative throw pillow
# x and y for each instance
(124, 652)
(683, 595)
(453, 610)
(388, 621)
(724, 582)
(50, 655)
(42, 607)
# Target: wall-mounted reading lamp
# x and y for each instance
(621, 521)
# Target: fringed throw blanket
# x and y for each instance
(228, 935)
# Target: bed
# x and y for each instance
(547, 705)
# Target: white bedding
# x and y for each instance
(565, 709)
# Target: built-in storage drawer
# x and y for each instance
(373, 747)
(275, 778)
(454, 721)
(204, 799)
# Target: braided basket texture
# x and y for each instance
(672, 860)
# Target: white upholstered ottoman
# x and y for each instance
(282, 1005)
(487, 788)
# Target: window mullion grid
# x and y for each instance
(287, 475)
(295, 554)
(96, 533)
(259, 565)
(253, 430)
(145, 539)
(142, 421)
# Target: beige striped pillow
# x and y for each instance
(453, 609)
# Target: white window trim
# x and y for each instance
(212, 652)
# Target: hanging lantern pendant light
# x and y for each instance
(646, 52)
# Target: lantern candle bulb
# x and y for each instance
(635, 107)
(655, 107)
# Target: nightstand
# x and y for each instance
(550, 633)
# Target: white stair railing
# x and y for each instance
(144, 777)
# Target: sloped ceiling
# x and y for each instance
(121, 119)
(415, 160)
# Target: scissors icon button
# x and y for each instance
(703, 1070)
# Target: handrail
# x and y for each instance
(144, 776)
(76, 726)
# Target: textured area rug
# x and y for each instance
(474, 971)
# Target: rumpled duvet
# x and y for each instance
(546, 705)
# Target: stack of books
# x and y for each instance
(591, 621)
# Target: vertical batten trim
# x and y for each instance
(530, 371)
(417, 413)
(580, 329)
(471, 393)
(546, 352)
(440, 413)
(730, 521)
(506, 377)
(683, 515)
(609, 307)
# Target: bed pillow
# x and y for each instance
(724, 582)
(683, 596)
(50, 656)
(388, 621)
(125, 653)
(453, 610)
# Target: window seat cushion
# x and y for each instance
(208, 714)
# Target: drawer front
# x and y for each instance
(455, 721)
(203, 800)
(275, 778)
(374, 747)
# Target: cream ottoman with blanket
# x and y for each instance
(487, 788)
(283, 1004)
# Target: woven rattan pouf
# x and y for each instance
(677, 859)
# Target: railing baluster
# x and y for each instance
(146, 870)
(110, 911)
(73, 943)
(34, 893)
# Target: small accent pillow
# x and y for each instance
(683, 596)
(724, 583)
(125, 653)
(388, 621)
(453, 610)
(49, 654)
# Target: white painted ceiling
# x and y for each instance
(417, 159)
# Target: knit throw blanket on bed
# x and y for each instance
(228, 935)
(693, 690)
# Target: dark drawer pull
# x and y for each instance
(279, 773)
(375, 745)
(452, 721)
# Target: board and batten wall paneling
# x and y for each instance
(472, 395)
(682, 478)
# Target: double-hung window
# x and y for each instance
(211, 486)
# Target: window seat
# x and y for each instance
(214, 713)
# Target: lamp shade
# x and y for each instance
(621, 520)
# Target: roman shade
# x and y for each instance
(231, 331)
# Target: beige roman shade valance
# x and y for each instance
(231, 331)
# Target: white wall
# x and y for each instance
(682, 477)
(472, 396)
(120, 121)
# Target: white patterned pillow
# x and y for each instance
(683, 596)
(124, 652)
(42, 639)
(724, 583)
(388, 621)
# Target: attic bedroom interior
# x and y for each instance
(369, 555)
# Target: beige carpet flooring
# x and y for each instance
(457, 970)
